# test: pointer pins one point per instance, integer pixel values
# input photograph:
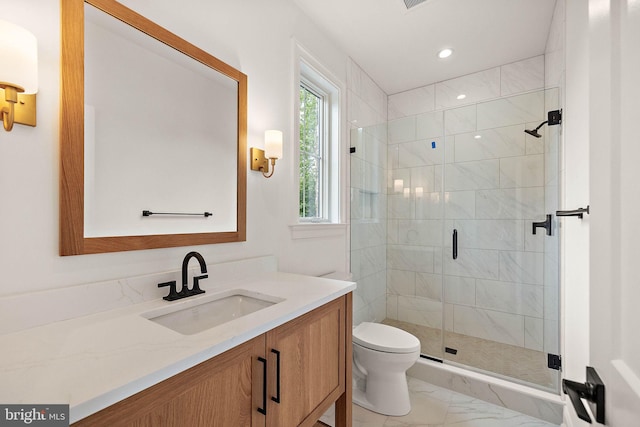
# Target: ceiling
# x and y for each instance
(398, 47)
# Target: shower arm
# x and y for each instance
(541, 124)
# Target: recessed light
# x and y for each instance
(445, 53)
(478, 136)
(461, 96)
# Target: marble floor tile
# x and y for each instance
(433, 406)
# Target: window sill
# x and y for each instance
(315, 230)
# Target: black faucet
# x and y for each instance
(185, 291)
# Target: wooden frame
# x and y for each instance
(72, 239)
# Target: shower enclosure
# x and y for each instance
(442, 245)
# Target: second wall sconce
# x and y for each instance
(18, 74)
(260, 159)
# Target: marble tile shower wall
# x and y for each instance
(467, 164)
(367, 115)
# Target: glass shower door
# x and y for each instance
(415, 224)
(499, 280)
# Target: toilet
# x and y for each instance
(381, 356)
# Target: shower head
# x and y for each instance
(553, 118)
(535, 131)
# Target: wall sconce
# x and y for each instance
(272, 152)
(18, 74)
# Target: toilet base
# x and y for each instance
(387, 398)
(381, 356)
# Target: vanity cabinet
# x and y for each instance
(306, 363)
(219, 392)
(311, 354)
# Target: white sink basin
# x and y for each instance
(190, 317)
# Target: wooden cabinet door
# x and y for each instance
(311, 353)
(223, 391)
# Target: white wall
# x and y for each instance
(251, 35)
(575, 175)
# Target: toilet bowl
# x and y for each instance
(381, 356)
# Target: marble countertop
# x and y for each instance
(94, 361)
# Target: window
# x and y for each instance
(318, 151)
(312, 153)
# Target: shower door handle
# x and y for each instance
(455, 244)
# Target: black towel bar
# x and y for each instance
(149, 213)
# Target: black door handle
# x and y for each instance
(277, 398)
(455, 244)
(543, 224)
(263, 410)
(592, 390)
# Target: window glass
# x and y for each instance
(311, 154)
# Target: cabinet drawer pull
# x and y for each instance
(277, 398)
(263, 410)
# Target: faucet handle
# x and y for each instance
(173, 295)
(196, 284)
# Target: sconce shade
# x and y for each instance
(19, 53)
(273, 144)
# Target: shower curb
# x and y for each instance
(526, 400)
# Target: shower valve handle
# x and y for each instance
(543, 224)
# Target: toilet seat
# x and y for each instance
(379, 337)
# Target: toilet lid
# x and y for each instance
(376, 336)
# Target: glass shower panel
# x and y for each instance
(368, 222)
(551, 260)
(415, 221)
(499, 281)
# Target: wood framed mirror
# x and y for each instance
(168, 139)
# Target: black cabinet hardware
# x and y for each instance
(455, 244)
(277, 398)
(592, 390)
(263, 410)
(543, 224)
(577, 212)
(149, 213)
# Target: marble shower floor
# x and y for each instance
(433, 406)
(503, 359)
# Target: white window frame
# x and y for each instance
(310, 72)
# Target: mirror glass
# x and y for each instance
(151, 123)
(160, 131)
